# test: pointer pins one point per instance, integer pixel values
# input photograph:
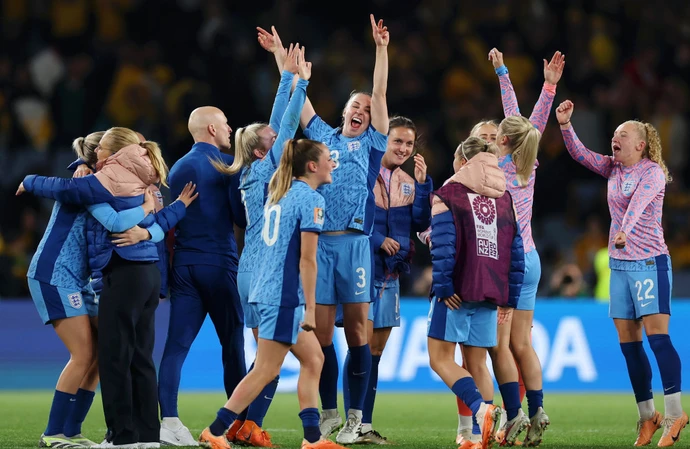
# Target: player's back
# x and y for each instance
(206, 234)
(278, 281)
(254, 191)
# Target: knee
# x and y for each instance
(437, 362)
(356, 334)
(519, 347)
(314, 363)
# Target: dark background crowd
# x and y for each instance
(70, 67)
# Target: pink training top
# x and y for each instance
(523, 197)
(635, 198)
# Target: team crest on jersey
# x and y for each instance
(407, 189)
(318, 215)
(75, 300)
(628, 186)
(354, 145)
(159, 196)
(484, 213)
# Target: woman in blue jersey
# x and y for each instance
(402, 205)
(256, 158)
(344, 251)
(131, 281)
(283, 292)
(58, 278)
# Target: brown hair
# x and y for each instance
(293, 164)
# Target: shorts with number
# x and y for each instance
(473, 324)
(640, 287)
(54, 303)
(384, 310)
(528, 294)
(251, 319)
(344, 269)
(277, 323)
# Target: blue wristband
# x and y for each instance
(501, 70)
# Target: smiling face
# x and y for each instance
(487, 131)
(357, 115)
(401, 142)
(627, 145)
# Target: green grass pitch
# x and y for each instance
(408, 420)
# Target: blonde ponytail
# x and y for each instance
(282, 179)
(247, 139)
(652, 149)
(85, 147)
(523, 145)
(156, 156)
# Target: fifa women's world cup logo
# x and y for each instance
(484, 213)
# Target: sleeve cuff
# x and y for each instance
(551, 88)
(503, 70)
(444, 291)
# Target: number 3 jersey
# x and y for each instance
(277, 278)
(350, 198)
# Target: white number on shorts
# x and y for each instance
(362, 277)
(650, 285)
(269, 235)
(335, 155)
(243, 195)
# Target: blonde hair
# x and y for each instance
(247, 139)
(475, 128)
(523, 143)
(85, 147)
(117, 138)
(473, 146)
(293, 164)
(652, 149)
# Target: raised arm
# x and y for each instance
(290, 120)
(552, 74)
(271, 43)
(508, 97)
(596, 162)
(379, 106)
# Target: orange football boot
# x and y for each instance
(646, 429)
(231, 434)
(253, 435)
(672, 428)
(213, 442)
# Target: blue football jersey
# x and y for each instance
(278, 281)
(349, 199)
(254, 191)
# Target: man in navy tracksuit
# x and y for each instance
(204, 273)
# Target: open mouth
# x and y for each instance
(616, 148)
(356, 122)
